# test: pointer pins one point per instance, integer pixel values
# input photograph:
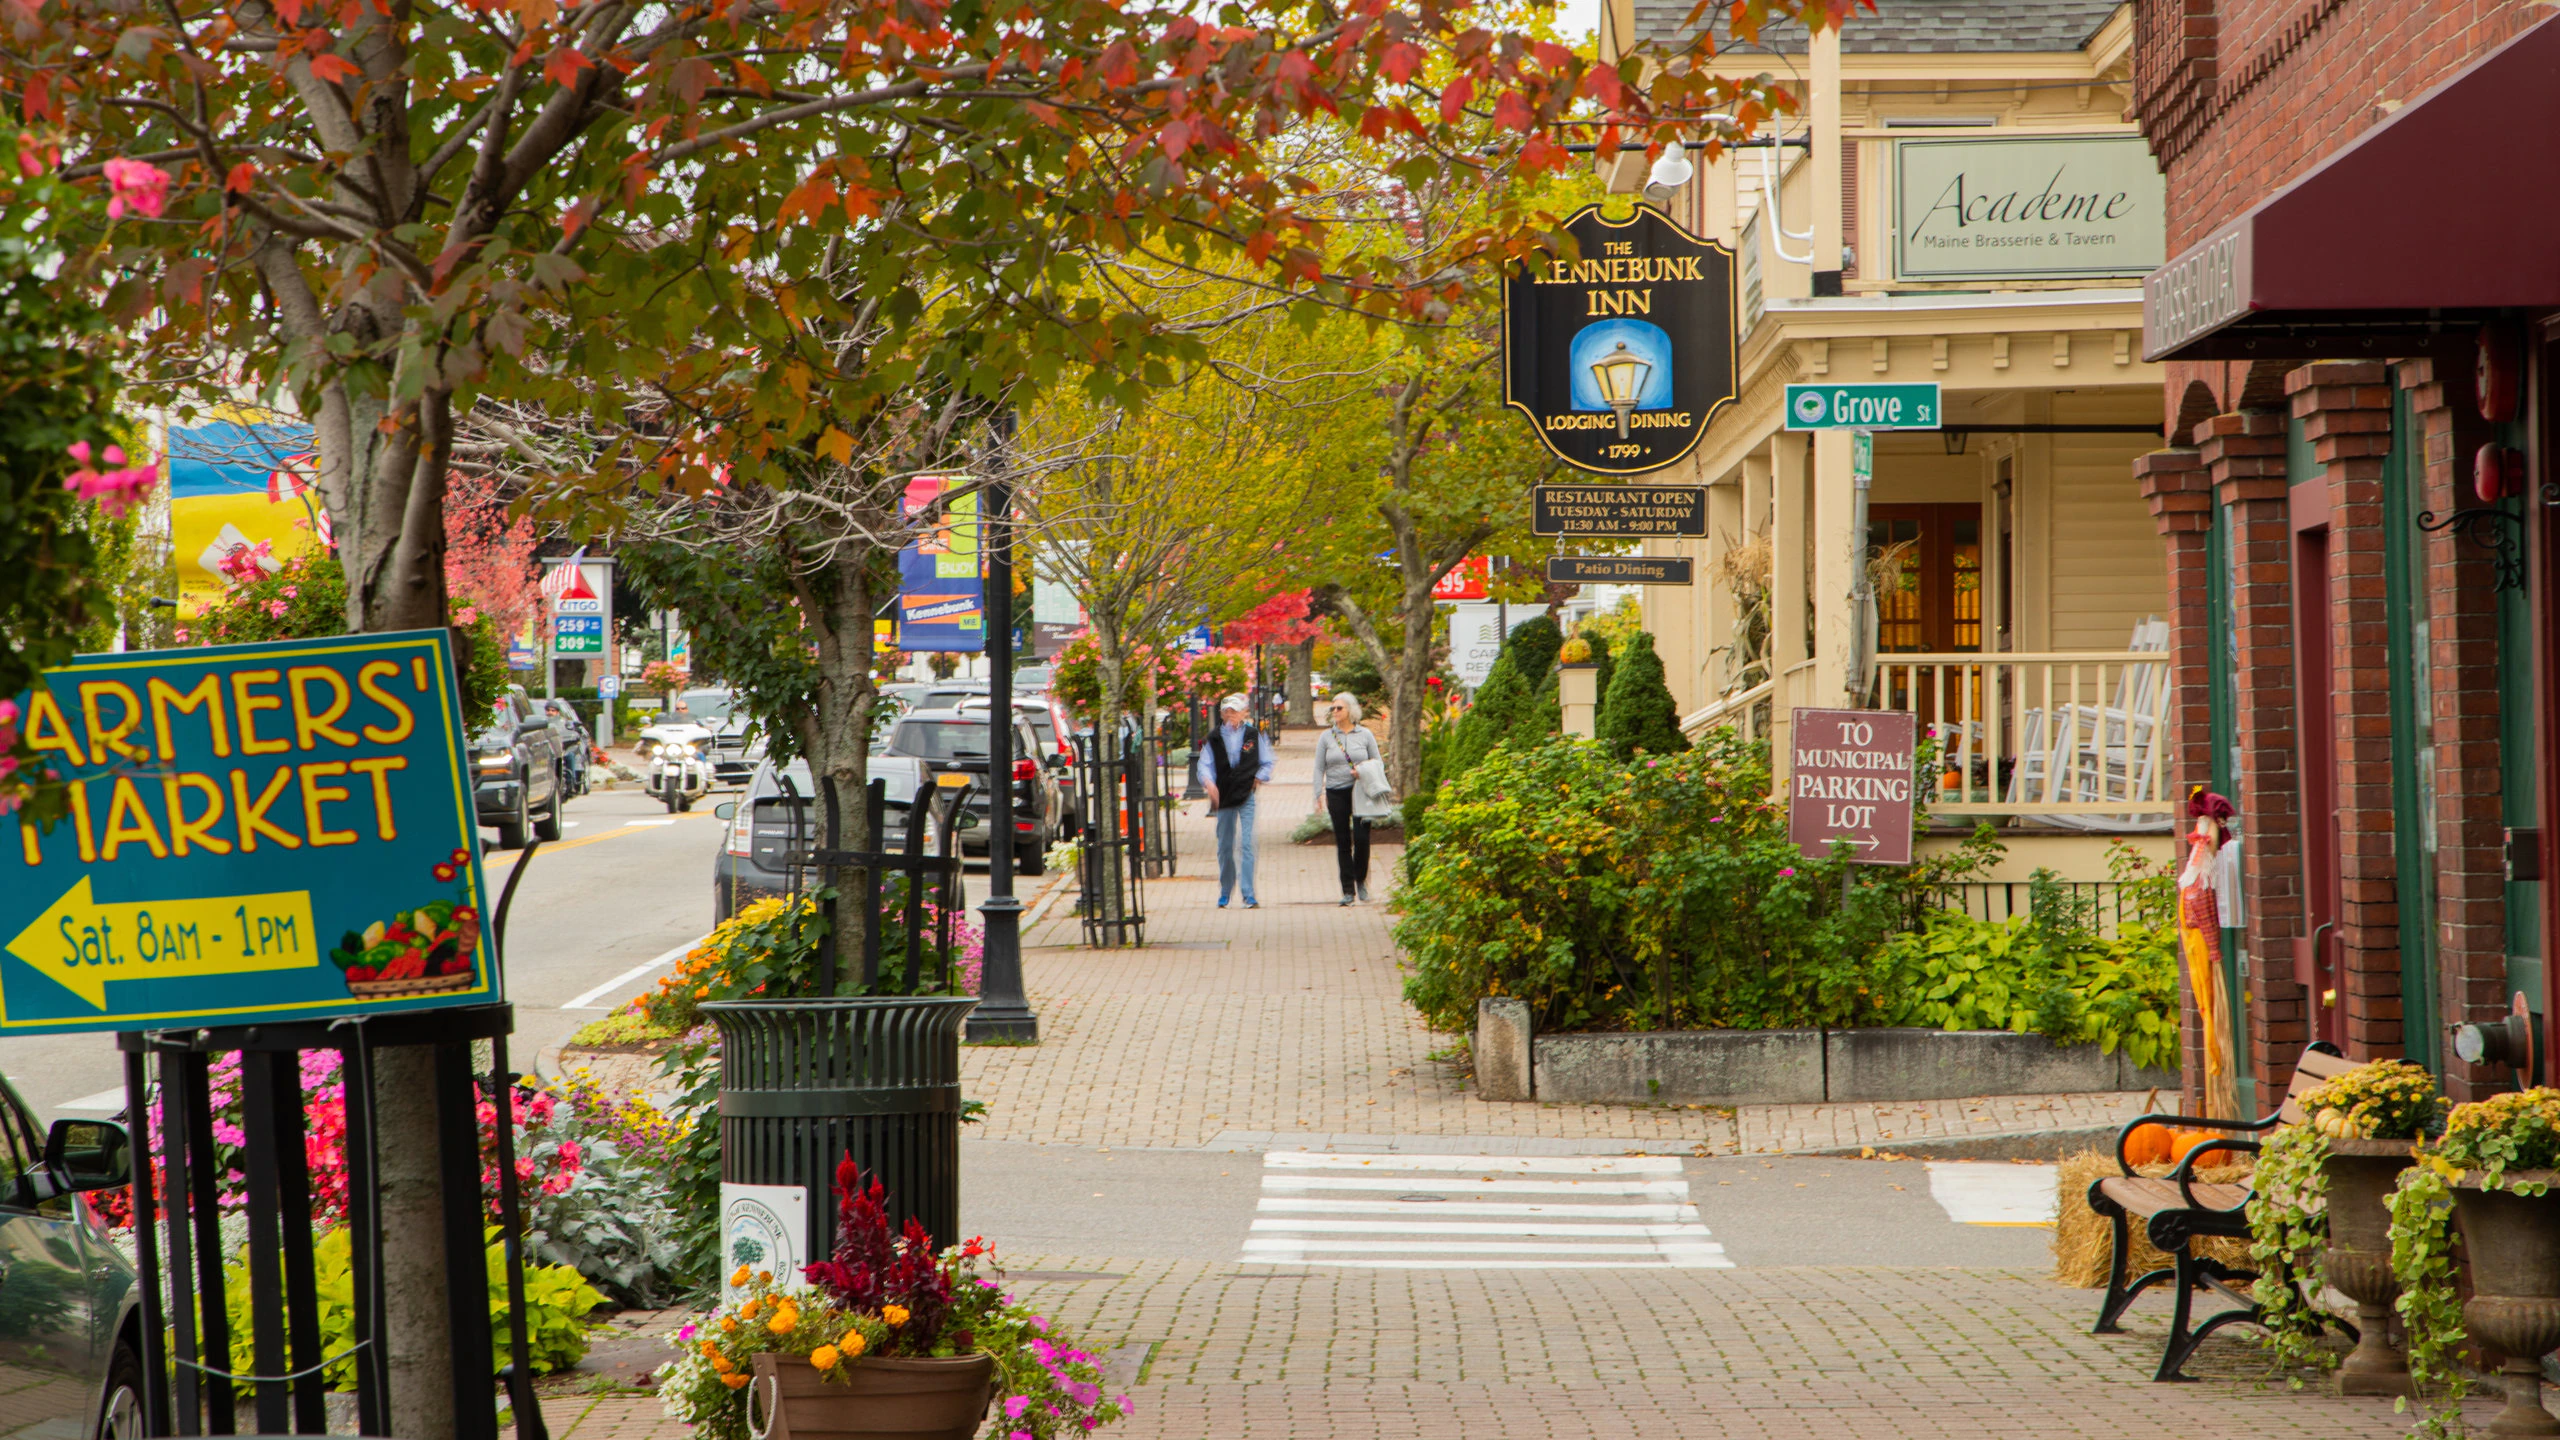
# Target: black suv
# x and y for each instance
(516, 760)
(955, 742)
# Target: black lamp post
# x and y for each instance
(1003, 1012)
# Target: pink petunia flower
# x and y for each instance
(142, 188)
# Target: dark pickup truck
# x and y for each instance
(516, 763)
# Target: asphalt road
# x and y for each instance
(625, 886)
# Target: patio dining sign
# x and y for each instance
(1621, 355)
(257, 833)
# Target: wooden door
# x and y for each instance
(1929, 589)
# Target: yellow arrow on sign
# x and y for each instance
(81, 944)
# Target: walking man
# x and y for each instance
(1233, 765)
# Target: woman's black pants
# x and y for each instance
(1350, 839)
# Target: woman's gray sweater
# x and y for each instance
(1338, 755)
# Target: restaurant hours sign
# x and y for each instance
(1623, 354)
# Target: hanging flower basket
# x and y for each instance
(926, 1398)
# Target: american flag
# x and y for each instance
(563, 575)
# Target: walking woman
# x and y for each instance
(1341, 749)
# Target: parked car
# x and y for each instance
(761, 829)
(577, 747)
(1053, 727)
(70, 1309)
(955, 742)
(516, 761)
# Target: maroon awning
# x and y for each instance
(2449, 208)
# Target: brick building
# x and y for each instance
(2356, 329)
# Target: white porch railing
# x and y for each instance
(1741, 710)
(2076, 739)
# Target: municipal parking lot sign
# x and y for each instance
(258, 833)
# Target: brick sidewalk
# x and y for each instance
(1881, 1353)
(1290, 1020)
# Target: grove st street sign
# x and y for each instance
(1908, 405)
(1622, 355)
(258, 833)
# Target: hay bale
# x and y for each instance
(2082, 1239)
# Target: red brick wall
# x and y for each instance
(2244, 454)
(2180, 492)
(2345, 409)
(2462, 636)
(2240, 96)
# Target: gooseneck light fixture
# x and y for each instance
(1621, 377)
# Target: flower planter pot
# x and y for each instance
(2514, 1246)
(921, 1399)
(2361, 1174)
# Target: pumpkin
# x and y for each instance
(2185, 1141)
(2147, 1145)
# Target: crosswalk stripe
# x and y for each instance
(1985, 1194)
(1481, 1164)
(1461, 1212)
(1662, 1189)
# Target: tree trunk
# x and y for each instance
(1302, 690)
(385, 495)
(1111, 669)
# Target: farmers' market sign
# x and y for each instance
(258, 833)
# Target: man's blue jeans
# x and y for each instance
(1235, 850)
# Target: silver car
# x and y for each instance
(70, 1307)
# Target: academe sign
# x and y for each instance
(1622, 355)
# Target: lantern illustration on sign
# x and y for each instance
(1621, 375)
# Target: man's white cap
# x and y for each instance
(1234, 702)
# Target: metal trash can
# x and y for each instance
(805, 1082)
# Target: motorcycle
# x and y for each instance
(679, 775)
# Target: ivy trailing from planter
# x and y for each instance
(2484, 1143)
(2288, 1233)
(2288, 1216)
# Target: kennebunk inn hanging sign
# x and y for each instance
(1622, 355)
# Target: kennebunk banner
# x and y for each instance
(1622, 355)
(1620, 511)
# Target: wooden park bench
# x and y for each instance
(2177, 1209)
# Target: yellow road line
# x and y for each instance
(554, 847)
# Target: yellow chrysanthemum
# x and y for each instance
(825, 1357)
(853, 1344)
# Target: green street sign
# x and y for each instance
(1910, 406)
(1862, 455)
(258, 833)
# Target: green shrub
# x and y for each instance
(2020, 975)
(1638, 715)
(556, 1298)
(1656, 893)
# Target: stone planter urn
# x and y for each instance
(2361, 1174)
(938, 1398)
(2514, 1246)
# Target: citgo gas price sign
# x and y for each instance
(258, 833)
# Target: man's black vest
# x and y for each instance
(1235, 782)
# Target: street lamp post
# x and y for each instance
(1003, 1012)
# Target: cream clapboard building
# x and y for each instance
(1962, 202)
